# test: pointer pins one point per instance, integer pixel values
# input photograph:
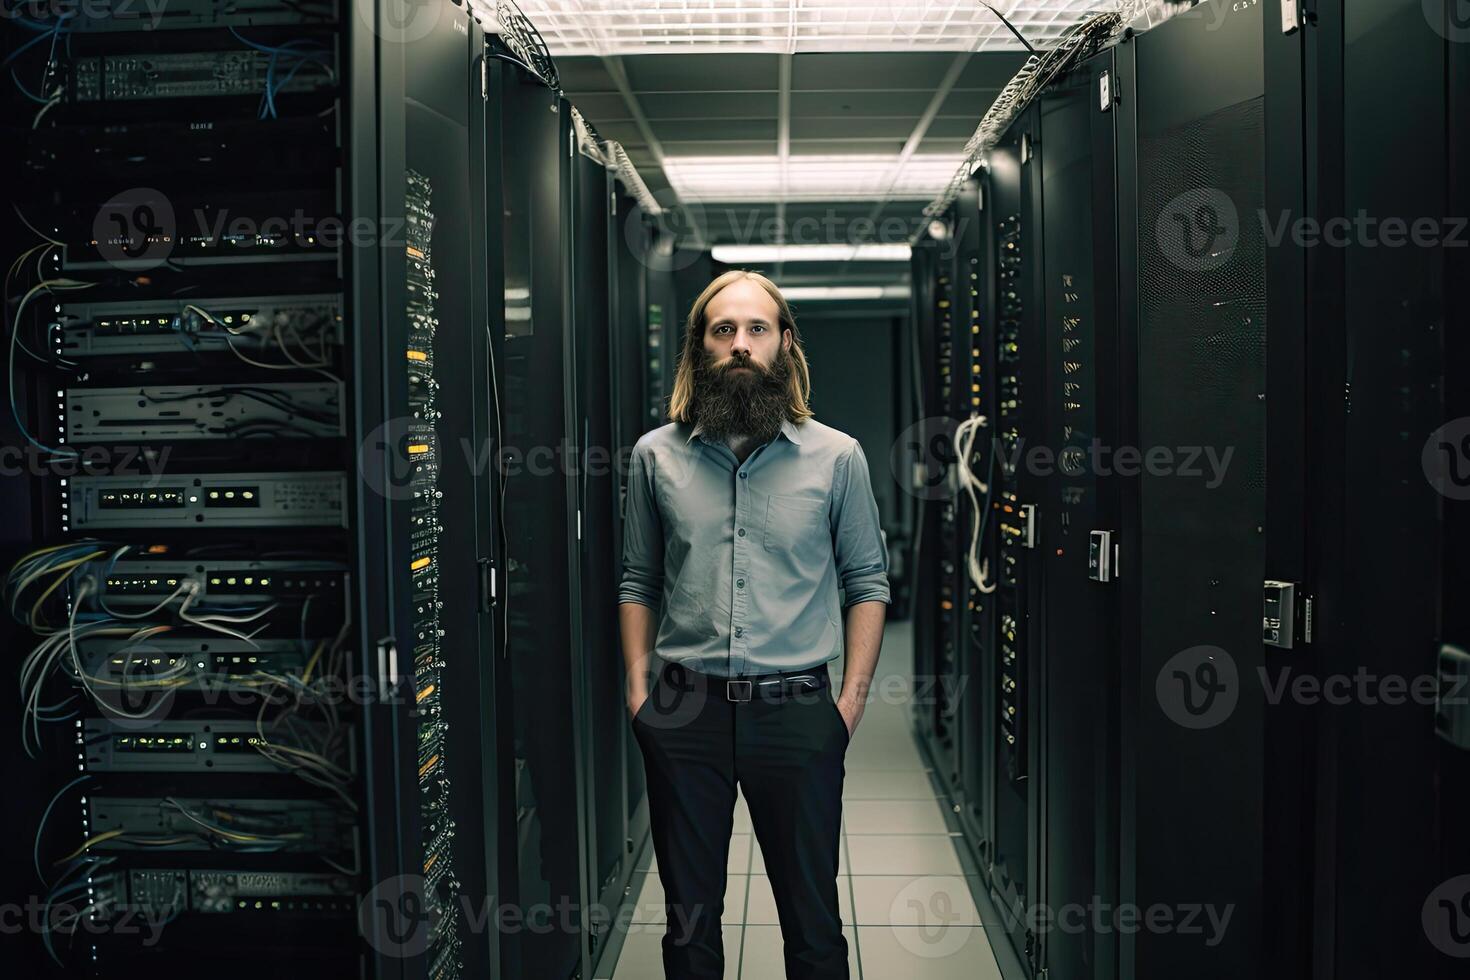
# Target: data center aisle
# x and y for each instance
(903, 888)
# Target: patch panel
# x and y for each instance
(219, 582)
(201, 326)
(213, 499)
(217, 656)
(167, 892)
(203, 747)
(287, 410)
(159, 824)
(193, 74)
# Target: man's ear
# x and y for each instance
(786, 340)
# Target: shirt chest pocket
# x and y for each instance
(795, 522)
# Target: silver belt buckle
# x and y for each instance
(731, 686)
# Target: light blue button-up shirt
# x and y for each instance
(747, 558)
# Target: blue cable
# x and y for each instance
(24, 48)
(41, 827)
(25, 91)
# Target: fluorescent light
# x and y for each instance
(820, 293)
(616, 27)
(826, 177)
(742, 254)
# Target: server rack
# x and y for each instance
(169, 300)
(632, 346)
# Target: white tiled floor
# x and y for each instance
(906, 906)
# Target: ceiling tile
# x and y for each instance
(970, 103)
(684, 130)
(702, 72)
(871, 127)
(714, 148)
(824, 147)
(709, 105)
(584, 74)
(849, 70)
(601, 109)
(991, 69)
(911, 103)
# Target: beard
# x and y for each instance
(729, 402)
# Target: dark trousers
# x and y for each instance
(787, 758)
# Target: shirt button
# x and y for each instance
(739, 630)
(740, 583)
(741, 532)
(742, 474)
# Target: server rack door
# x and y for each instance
(1192, 804)
(1016, 197)
(951, 365)
(973, 681)
(925, 452)
(604, 715)
(446, 312)
(1388, 901)
(1076, 691)
(630, 347)
(541, 701)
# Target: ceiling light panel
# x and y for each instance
(856, 177)
(741, 254)
(618, 27)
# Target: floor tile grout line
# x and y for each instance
(852, 904)
(745, 910)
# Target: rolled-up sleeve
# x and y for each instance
(857, 540)
(643, 536)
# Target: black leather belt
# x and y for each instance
(767, 687)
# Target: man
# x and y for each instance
(743, 517)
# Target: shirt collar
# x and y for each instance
(788, 429)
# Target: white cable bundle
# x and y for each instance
(964, 443)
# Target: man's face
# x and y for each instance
(742, 322)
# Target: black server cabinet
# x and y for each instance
(926, 456)
(536, 371)
(383, 289)
(604, 729)
(1015, 203)
(1076, 684)
(972, 684)
(631, 346)
(435, 168)
(1192, 358)
(1388, 829)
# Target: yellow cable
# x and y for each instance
(105, 835)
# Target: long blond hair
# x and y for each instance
(681, 400)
